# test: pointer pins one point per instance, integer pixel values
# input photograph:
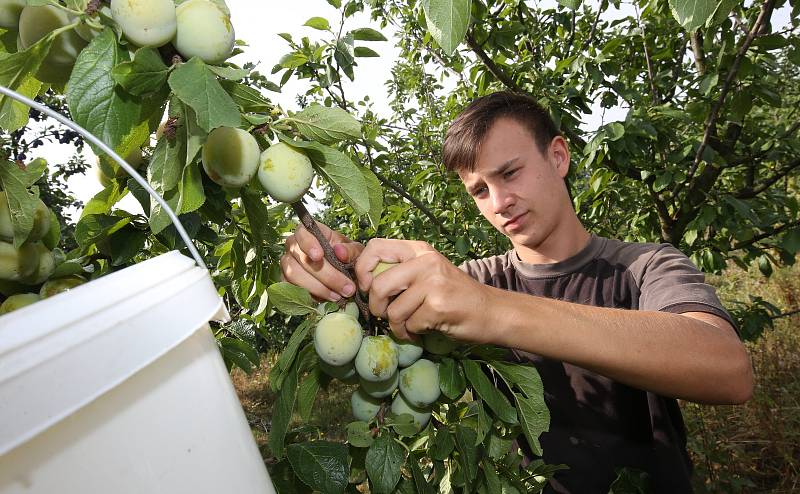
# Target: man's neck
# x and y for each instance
(561, 244)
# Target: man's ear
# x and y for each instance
(559, 152)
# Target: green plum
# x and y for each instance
(146, 22)
(204, 31)
(60, 285)
(377, 358)
(438, 343)
(364, 406)
(408, 352)
(18, 301)
(381, 389)
(419, 383)
(285, 172)
(337, 338)
(421, 416)
(230, 156)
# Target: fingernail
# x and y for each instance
(314, 253)
(334, 297)
(348, 290)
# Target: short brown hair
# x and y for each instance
(467, 132)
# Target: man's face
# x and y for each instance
(519, 189)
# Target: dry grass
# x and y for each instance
(330, 415)
(755, 447)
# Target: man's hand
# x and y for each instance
(303, 263)
(424, 292)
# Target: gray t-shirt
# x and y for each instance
(598, 425)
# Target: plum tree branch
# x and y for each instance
(346, 269)
(766, 234)
(711, 121)
(751, 192)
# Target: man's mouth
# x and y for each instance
(513, 222)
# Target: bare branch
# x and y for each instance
(588, 40)
(489, 63)
(699, 54)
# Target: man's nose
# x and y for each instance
(501, 200)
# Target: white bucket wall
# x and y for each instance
(118, 386)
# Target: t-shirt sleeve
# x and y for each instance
(672, 283)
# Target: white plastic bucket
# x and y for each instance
(118, 386)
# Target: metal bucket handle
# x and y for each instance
(125, 166)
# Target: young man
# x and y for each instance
(618, 331)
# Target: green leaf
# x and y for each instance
(498, 445)
(307, 393)
(692, 14)
(525, 377)
(145, 74)
(17, 72)
(340, 171)
(21, 202)
(367, 34)
(375, 192)
(95, 101)
(322, 465)
(447, 21)
(247, 98)
(570, 4)
(451, 379)
(490, 475)
(344, 53)
(489, 393)
(534, 417)
(287, 357)
(102, 202)
(291, 299)
(384, 459)
(240, 353)
(468, 452)
(359, 434)
(258, 216)
(292, 60)
(442, 445)
(721, 12)
(404, 425)
(364, 52)
(197, 87)
(326, 125)
(319, 23)
(662, 181)
(96, 227)
(229, 73)
(423, 485)
(282, 413)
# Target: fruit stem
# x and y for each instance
(346, 269)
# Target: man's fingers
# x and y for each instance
(294, 273)
(322, 271)
(384, 250)
(347, 251)
(402, 308)
(308, 243)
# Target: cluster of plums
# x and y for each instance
(25, 268)
(385, 368)
(196, 28)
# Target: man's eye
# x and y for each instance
(510, 173)
(479, 191)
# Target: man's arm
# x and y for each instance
(693, 356)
